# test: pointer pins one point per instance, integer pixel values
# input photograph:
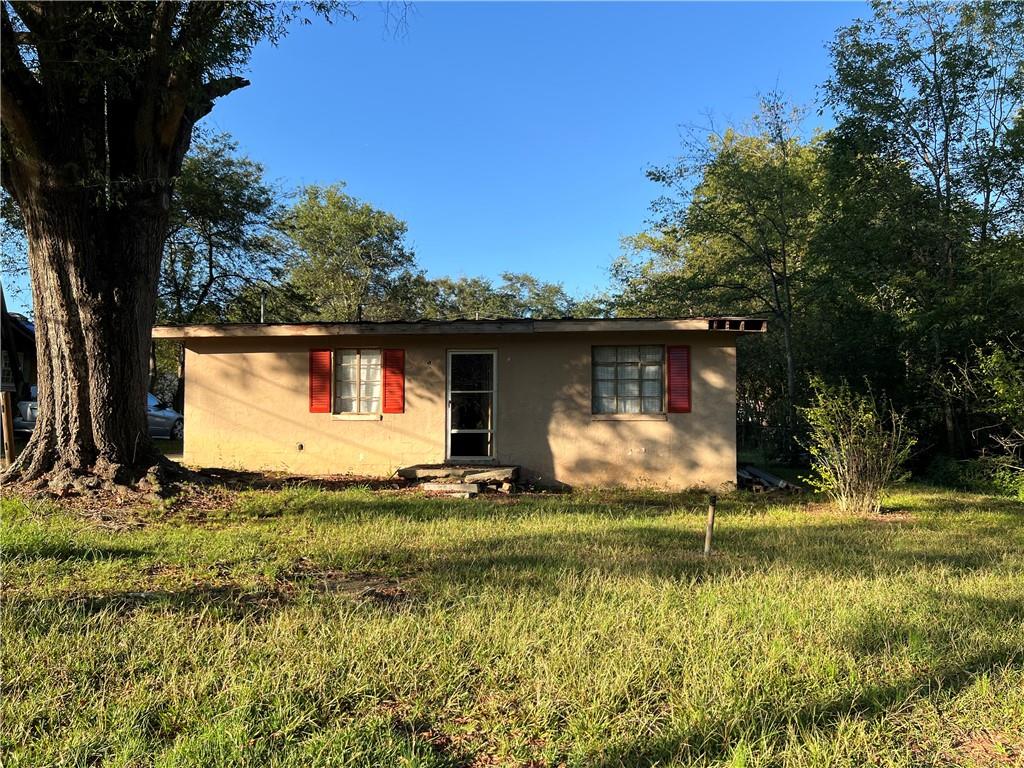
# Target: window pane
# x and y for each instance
(346, 389)
(348, 358)
(370, 362)
(369, 406)
(628, 379)
(652, 405)
(471, 410)
(471, 444)
(629, 371)
(472, 372)
(346, 405)
(370, 373)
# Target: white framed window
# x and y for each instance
(628, 379)
(357, 380)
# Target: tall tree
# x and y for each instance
(734, 235)
(221, 241)
(935, 90)
(221, 236)
(517, 295)
(351, 258)
(99, 101)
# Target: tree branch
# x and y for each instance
(19, 95)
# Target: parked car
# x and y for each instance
(163, 420)
(25, 414)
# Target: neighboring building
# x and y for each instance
(624, 402)
(17, 353)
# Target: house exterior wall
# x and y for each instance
(247, 407)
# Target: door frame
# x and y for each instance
(448, 407)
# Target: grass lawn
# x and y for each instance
(304, 627)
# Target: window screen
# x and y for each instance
(628, 379)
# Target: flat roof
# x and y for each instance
(442, 327)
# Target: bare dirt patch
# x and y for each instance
(361, 586)
(988, 749)
(891, 515)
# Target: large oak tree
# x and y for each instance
(99, 101)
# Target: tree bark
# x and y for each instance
(93, 293)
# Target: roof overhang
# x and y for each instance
(459, 327)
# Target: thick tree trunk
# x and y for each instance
(93, 292)
(99, 103)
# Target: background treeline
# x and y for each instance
(887, 252)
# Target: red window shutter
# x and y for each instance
(394, 381)
(678, 379)
(319, 381)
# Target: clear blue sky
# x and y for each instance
(514, 136)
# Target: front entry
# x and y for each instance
(471, 390)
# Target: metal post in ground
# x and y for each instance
(709, 532)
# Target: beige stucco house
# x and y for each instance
(623, 402)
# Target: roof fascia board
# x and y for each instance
(455, 328)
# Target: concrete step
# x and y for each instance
(452, 487)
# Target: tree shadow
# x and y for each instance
(223, 601)
(27, 551)
(771, 720)
(656, 549)
(776, 716)
(411, 506)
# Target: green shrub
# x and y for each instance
(1008, 478)
(963, 475)
(857, 444)
(987, 474)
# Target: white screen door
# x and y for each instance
(471, 390)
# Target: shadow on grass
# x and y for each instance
(875, 635)
(231, 600)
(26, 551)
(652, 549)
(361, 504)
(218, 601)
(775, 719)
(660, 550)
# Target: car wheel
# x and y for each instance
(178, 430)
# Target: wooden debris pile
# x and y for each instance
(463, 482)
(750, 478)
